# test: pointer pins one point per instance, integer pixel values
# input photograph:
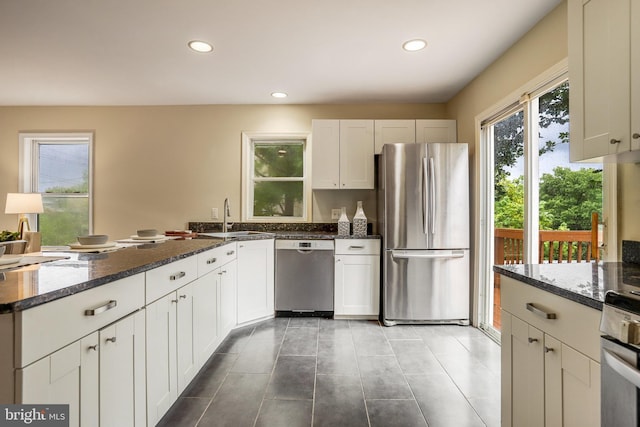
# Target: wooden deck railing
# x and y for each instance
(555, 246)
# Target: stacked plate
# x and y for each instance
(94, 241)
(8, 259)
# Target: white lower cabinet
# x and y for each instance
(255, 280)
(550, 375)
(171, 362)
(100, 376)
(227, 294)
(357, 277)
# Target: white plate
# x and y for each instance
(158, 237)
(10, 259)
(102, 246)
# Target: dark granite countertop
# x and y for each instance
(29, 286)
(585, 283)
(25, 287)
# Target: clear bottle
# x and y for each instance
(359, 222)
(343, 223)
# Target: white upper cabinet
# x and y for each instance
(436, 131)
(412, 131)
(343, 154)
(604, 67)
(392, 131)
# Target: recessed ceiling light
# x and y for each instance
(200, 46)
(413, 45)
(279, 95)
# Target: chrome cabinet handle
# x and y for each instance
(212, 260)
(177, 276)
(532, 340)
(183, 296)
(93, 347)
(231, 252)
(548, 349)
(95, 311)
(112, 339)
(615, 141)
(356, 247)
(535, 310)
(636, 136)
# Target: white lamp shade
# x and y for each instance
(23, 203)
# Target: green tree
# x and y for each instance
(570, 197)
(508, 134)
(278, 198)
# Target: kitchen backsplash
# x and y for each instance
(325, 227)
(631, 251)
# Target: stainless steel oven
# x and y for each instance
(620, 351)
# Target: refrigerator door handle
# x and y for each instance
(423, 255)
(425, 204)
(432, 195)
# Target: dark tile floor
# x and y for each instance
(322, 372)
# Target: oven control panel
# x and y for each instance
(620, 319)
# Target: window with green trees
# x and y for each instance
(568, 192)
(276, 178)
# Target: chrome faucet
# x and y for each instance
(226, 212)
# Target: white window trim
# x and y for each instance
(484, 190)
(247, 173)
(27, 170)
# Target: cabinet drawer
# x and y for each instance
(357, 247)
(46, 328)
(575, 324)
(214, 258)
(167, 278)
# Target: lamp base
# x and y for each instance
(23, 225)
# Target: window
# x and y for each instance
(276, 179)
(536, 206)
(59, 166)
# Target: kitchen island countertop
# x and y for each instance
(585, 283)
(29, 286)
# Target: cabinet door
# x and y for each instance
(392, 131)
(356, 154)
(161, 357)
(67, 376)
(325, 154)
(572, 389)
(227, 309)
(122, 368)
(527, 374)
(599, 72)
(436, 131)
(255, 280)
(186, 357)
(205, 316)
(357, 285)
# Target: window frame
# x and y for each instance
(29, 166)
(248, 144)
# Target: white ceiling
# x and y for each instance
(134, 52)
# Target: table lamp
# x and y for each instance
(23, 204)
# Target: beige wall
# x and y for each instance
(161, 167)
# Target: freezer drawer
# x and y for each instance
(426, 286)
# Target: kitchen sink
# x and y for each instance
(232, 234)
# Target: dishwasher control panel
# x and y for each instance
(313, 245)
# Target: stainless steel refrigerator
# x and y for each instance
(423, 216)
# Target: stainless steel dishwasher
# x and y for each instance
(304, 278)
